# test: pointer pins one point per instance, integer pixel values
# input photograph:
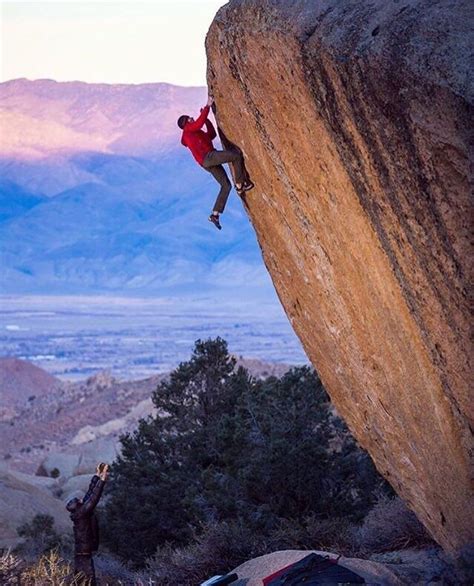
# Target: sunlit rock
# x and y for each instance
(356, 119)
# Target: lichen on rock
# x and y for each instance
(356, 122)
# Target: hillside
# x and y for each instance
(22, 382)
(356, 121)
(42, 415)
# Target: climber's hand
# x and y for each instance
(210, 101)
(100, 468)
(105, 473)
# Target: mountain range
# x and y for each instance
(97, 195)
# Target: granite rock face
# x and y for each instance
(356, 122)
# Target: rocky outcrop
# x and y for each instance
(356, 122)
(79, 459)
(59, 465)
(75, 487)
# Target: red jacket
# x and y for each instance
(198, 141)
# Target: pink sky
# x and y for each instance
(106, 41)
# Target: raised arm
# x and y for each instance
(197, 124)
(211, 131)
(92, 484)
(94, 498)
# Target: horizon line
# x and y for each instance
(107, 83)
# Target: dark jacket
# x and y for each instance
(86, 527)
(198, 141)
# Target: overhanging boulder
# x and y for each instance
(356, 119)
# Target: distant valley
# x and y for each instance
(75, 337)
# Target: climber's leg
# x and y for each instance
(220, 176)
(211, 164)
(227, 156)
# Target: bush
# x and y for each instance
(112, 571)
(390, 526)
(313, 533)
(217, 549)
(40, 535)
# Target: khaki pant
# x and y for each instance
(213, 162)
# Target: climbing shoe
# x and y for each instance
(246, 186)
(215, 220)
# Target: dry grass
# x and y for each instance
(49, 570)
(10, 568)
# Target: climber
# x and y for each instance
(200, 144)
(86, 528)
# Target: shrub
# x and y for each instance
(40, 535)
(217, 549)
(113, 571)
(333, 534)
(390, 526)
